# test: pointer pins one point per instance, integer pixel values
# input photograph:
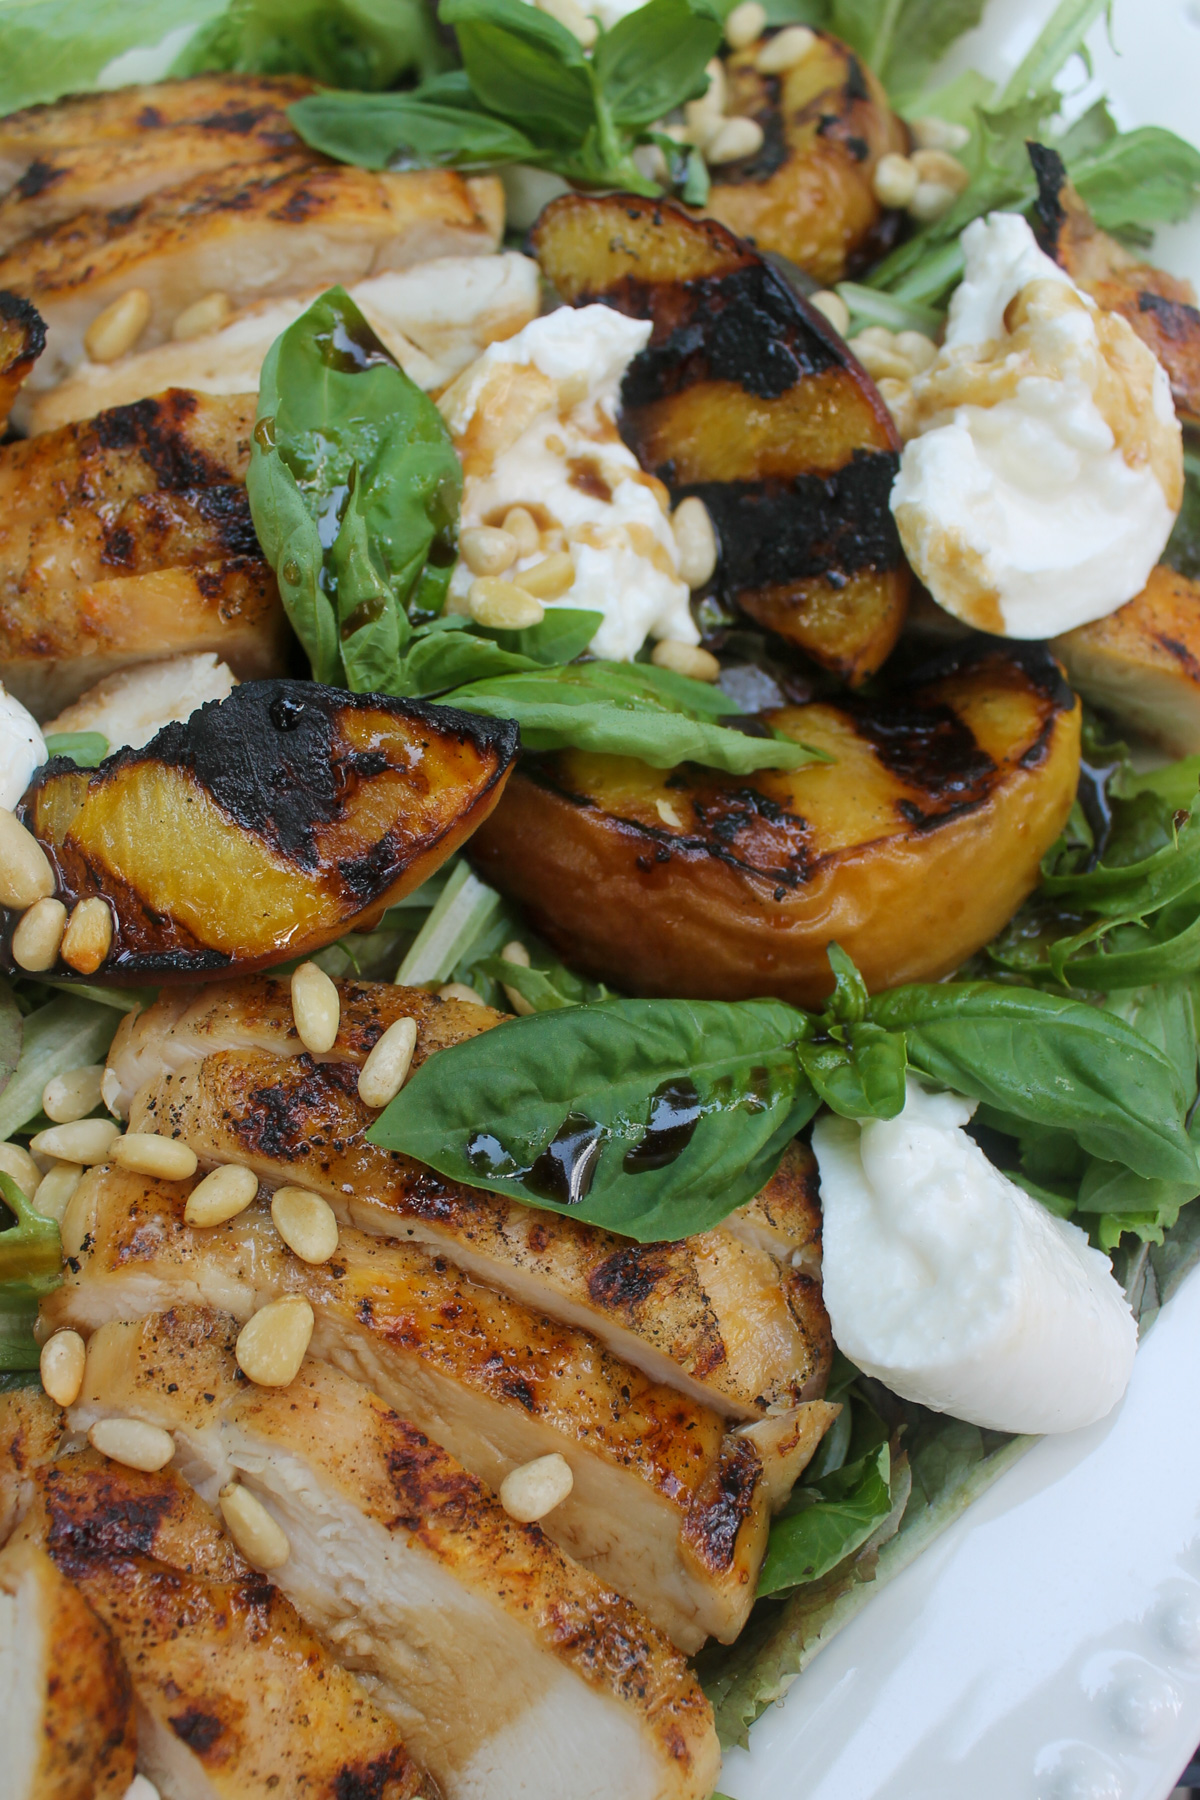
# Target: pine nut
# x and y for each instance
(937, 166)
(88, 937)
(110, 1092)
(502, 605)
(272, 1344)
(386, 1068)
(548, 579)
(736, 138)
(745, 24)
(133, 1443)
(73, 1095)
(39, 933)
(897, 396)
(520, 523)
(667, 814)
(932, 200)
(316, 1008)
(518, 954)
(61, 1366)
(938, 134)
(222, 1195)
(486, 550)
(146, 1153)
(79, 1217)
(83, 1141)
(703, 116)
(685, 659)
(306, 1223)
(20, 1167)
(56, 1189)
(118, 328)
(261, 1541)
(834, 308)
(25, 872)
(880, 359)
(786, 50)
(201, 317)
(571, 15)
(695, 540)
(919, 350)
(536, 1488)
(458, 990)
(895, 180)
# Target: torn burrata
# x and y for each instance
(22, 749)
(534, 423)
(1046, 466)
(956, 1288)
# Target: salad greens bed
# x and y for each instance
(1077, 1030)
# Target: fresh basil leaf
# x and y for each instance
(344, 43)
(87, 749)
(1130, 891)
(65, 1034)
(903, 40)
(862, 1077)
(655, 59)
(526, 67)
(627, 709)
(1143, 177)
(1050, 1061)
(848, 1002)
(805, 1545)
(11, 1029)
(451, 651)
(1118, 1192)
(400, 131)
(653, 1118)
(546, 989)
(564, 634)
(1183, 546)
(1134, 956)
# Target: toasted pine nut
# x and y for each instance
(73, 1095)
(271, 1345)
(25, 872)
(55, 1190)
(39, 933)
(696, 541)
(110, 1092)
(222, 1195)
(61, 1366)
(118, 328)
(133, 1443)
(459, 990)
(667, 814)
(938, 166)
(536, 1488)
(895, 180)
(735, 139)
(938, 134)
(146, 1153)
(517, 953)
(20, 1167)
(386, 1068)
(261, 1541)
(84, 1141)
(703, 116)
(570, 14)
(306, 1223)
(917, 348)
(931, 200)
(502, 605)
(685, 659)
(316, 1008)
(487, 550)
(786, 50)
(834, 308)
(520, 523)
(548, 579)
(876, 350)
(201, 317)
(88, 937)
(897, 396)
(744, 24)
(79, 1216)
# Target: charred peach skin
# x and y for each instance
(911, 849)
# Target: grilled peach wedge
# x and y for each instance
(910, 849)
(808, 193)
(22, 340)
(747, 397)
(263, 827)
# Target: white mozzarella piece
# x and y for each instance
(22, 749)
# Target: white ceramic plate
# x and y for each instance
(1047, 1647)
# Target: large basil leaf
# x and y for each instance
(399, 131)
(524, 66)
(654, 1118)
(655, 59)
(1051, 1061)
(354, 487)
(845, 1508)
(451, 651)
(858, 1070)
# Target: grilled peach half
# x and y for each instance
(263, 827)
(910, 849)
(22, 340)
(747, 397)
(808, 193)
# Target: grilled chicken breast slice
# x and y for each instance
(512, 1671)
(236, 1698)
(668, 1507)
(127, 539)
(1141, 664)
(285, 226)
(435, 319)
(66, 1708)
(31, 1430)
(22, 340)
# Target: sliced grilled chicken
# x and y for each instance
(512, 1671)
(129, 707)
(22, 340)
(31, 1430)
(435, 319)
(285, 226)
(127, 539)
(66, 1708)
(236, 1698)
(1142, 663)
(667, 1507)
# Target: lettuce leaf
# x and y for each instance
(54, 47)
